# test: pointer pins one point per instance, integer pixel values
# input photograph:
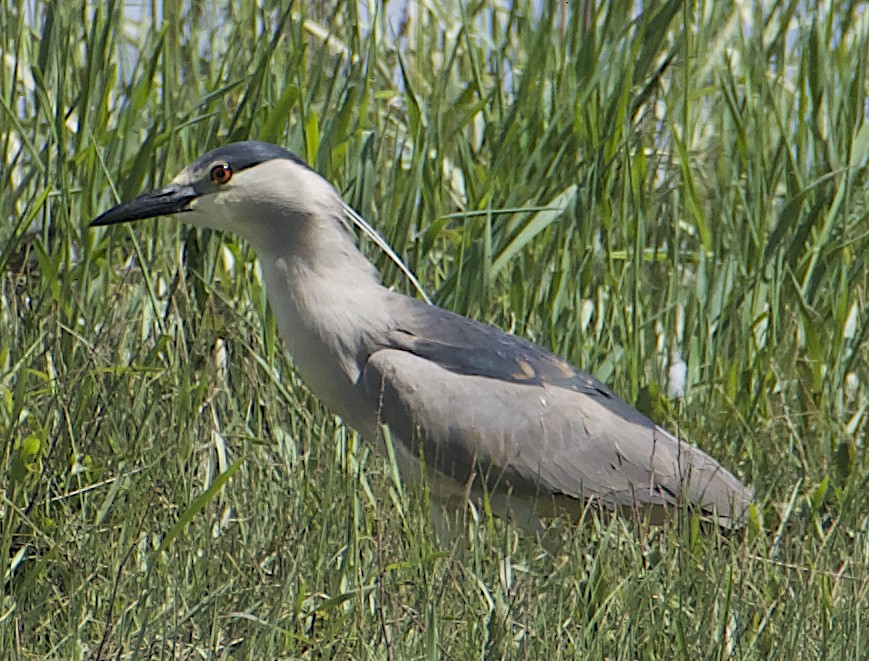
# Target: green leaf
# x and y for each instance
(533, 226)
(198, 504)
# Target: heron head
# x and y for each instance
(250, 188)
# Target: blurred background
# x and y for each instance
(672, 195)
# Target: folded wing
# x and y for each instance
(476, 402)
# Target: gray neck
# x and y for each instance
(330, 308)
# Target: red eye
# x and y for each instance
(220, 174)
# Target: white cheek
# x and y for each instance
(222, 208)
(207, 211)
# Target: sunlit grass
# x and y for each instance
(621, 185)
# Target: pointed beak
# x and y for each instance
(164, 202)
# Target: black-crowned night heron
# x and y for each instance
(482, 410)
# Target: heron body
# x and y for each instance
(485, 411)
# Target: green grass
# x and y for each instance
(614, 185)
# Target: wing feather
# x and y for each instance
(479, 404)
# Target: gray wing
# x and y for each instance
(478, 403)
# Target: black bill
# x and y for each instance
(164, 202)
